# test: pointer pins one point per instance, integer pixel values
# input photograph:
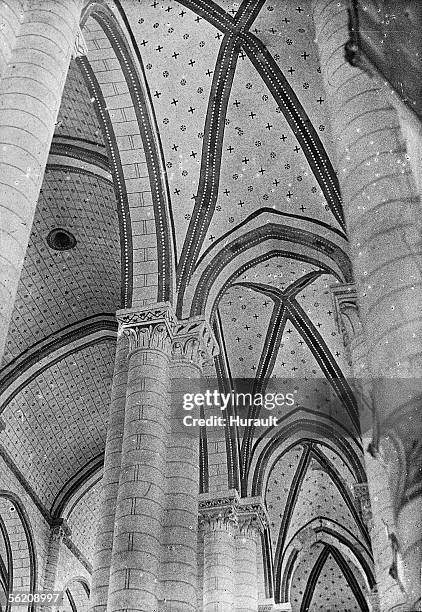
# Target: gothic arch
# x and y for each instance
(333, 534)
(267, 450)
(77, 487)
(233, 251)
(349, 575)
(19, 543)
(77, 594)
(6, 564)
(138, 184)
(289, 533)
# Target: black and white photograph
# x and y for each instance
(210, 305)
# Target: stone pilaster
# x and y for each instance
(192, 345)
(136, 556)
(110, 480)
(252, 520)
(218, 521)
(382, 211)
(31, 89)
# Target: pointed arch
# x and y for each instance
(17, 506)
(325, 530)
(303, 238)
(344, 568)
(140, 180)
(300, 425)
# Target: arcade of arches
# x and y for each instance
(195, 193)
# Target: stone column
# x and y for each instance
(218, 520)
(252, 520)
(11, 14)
(135, 563)
(382, 211)
(374, 496)
(110, 480)
(30, 94)
(193, 344)
(59, 531)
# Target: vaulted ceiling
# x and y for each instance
(229, 149)
(246, 147)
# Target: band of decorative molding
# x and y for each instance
(148, 327)
(270, 606)
(252, 515)
(248, 514)
(219, 511)
(156, 327)
(194, 342)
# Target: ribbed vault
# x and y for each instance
(192, 162)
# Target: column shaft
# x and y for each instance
(192, 345)
(382, 211)
(30, 95)
(110, 480)
(246, 588)
(252, 520)
(180, 568)
(135, 564)
(219, 559)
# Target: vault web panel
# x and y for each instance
(57, 423)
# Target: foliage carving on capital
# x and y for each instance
(252, 516)
(247, 515)
(219, 512)
(150, 327)
(194, 342)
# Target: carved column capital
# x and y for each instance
(60, 530)
(252, 516)
(248, 514)
(148, 327)
(194, 342)
(218, 512)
